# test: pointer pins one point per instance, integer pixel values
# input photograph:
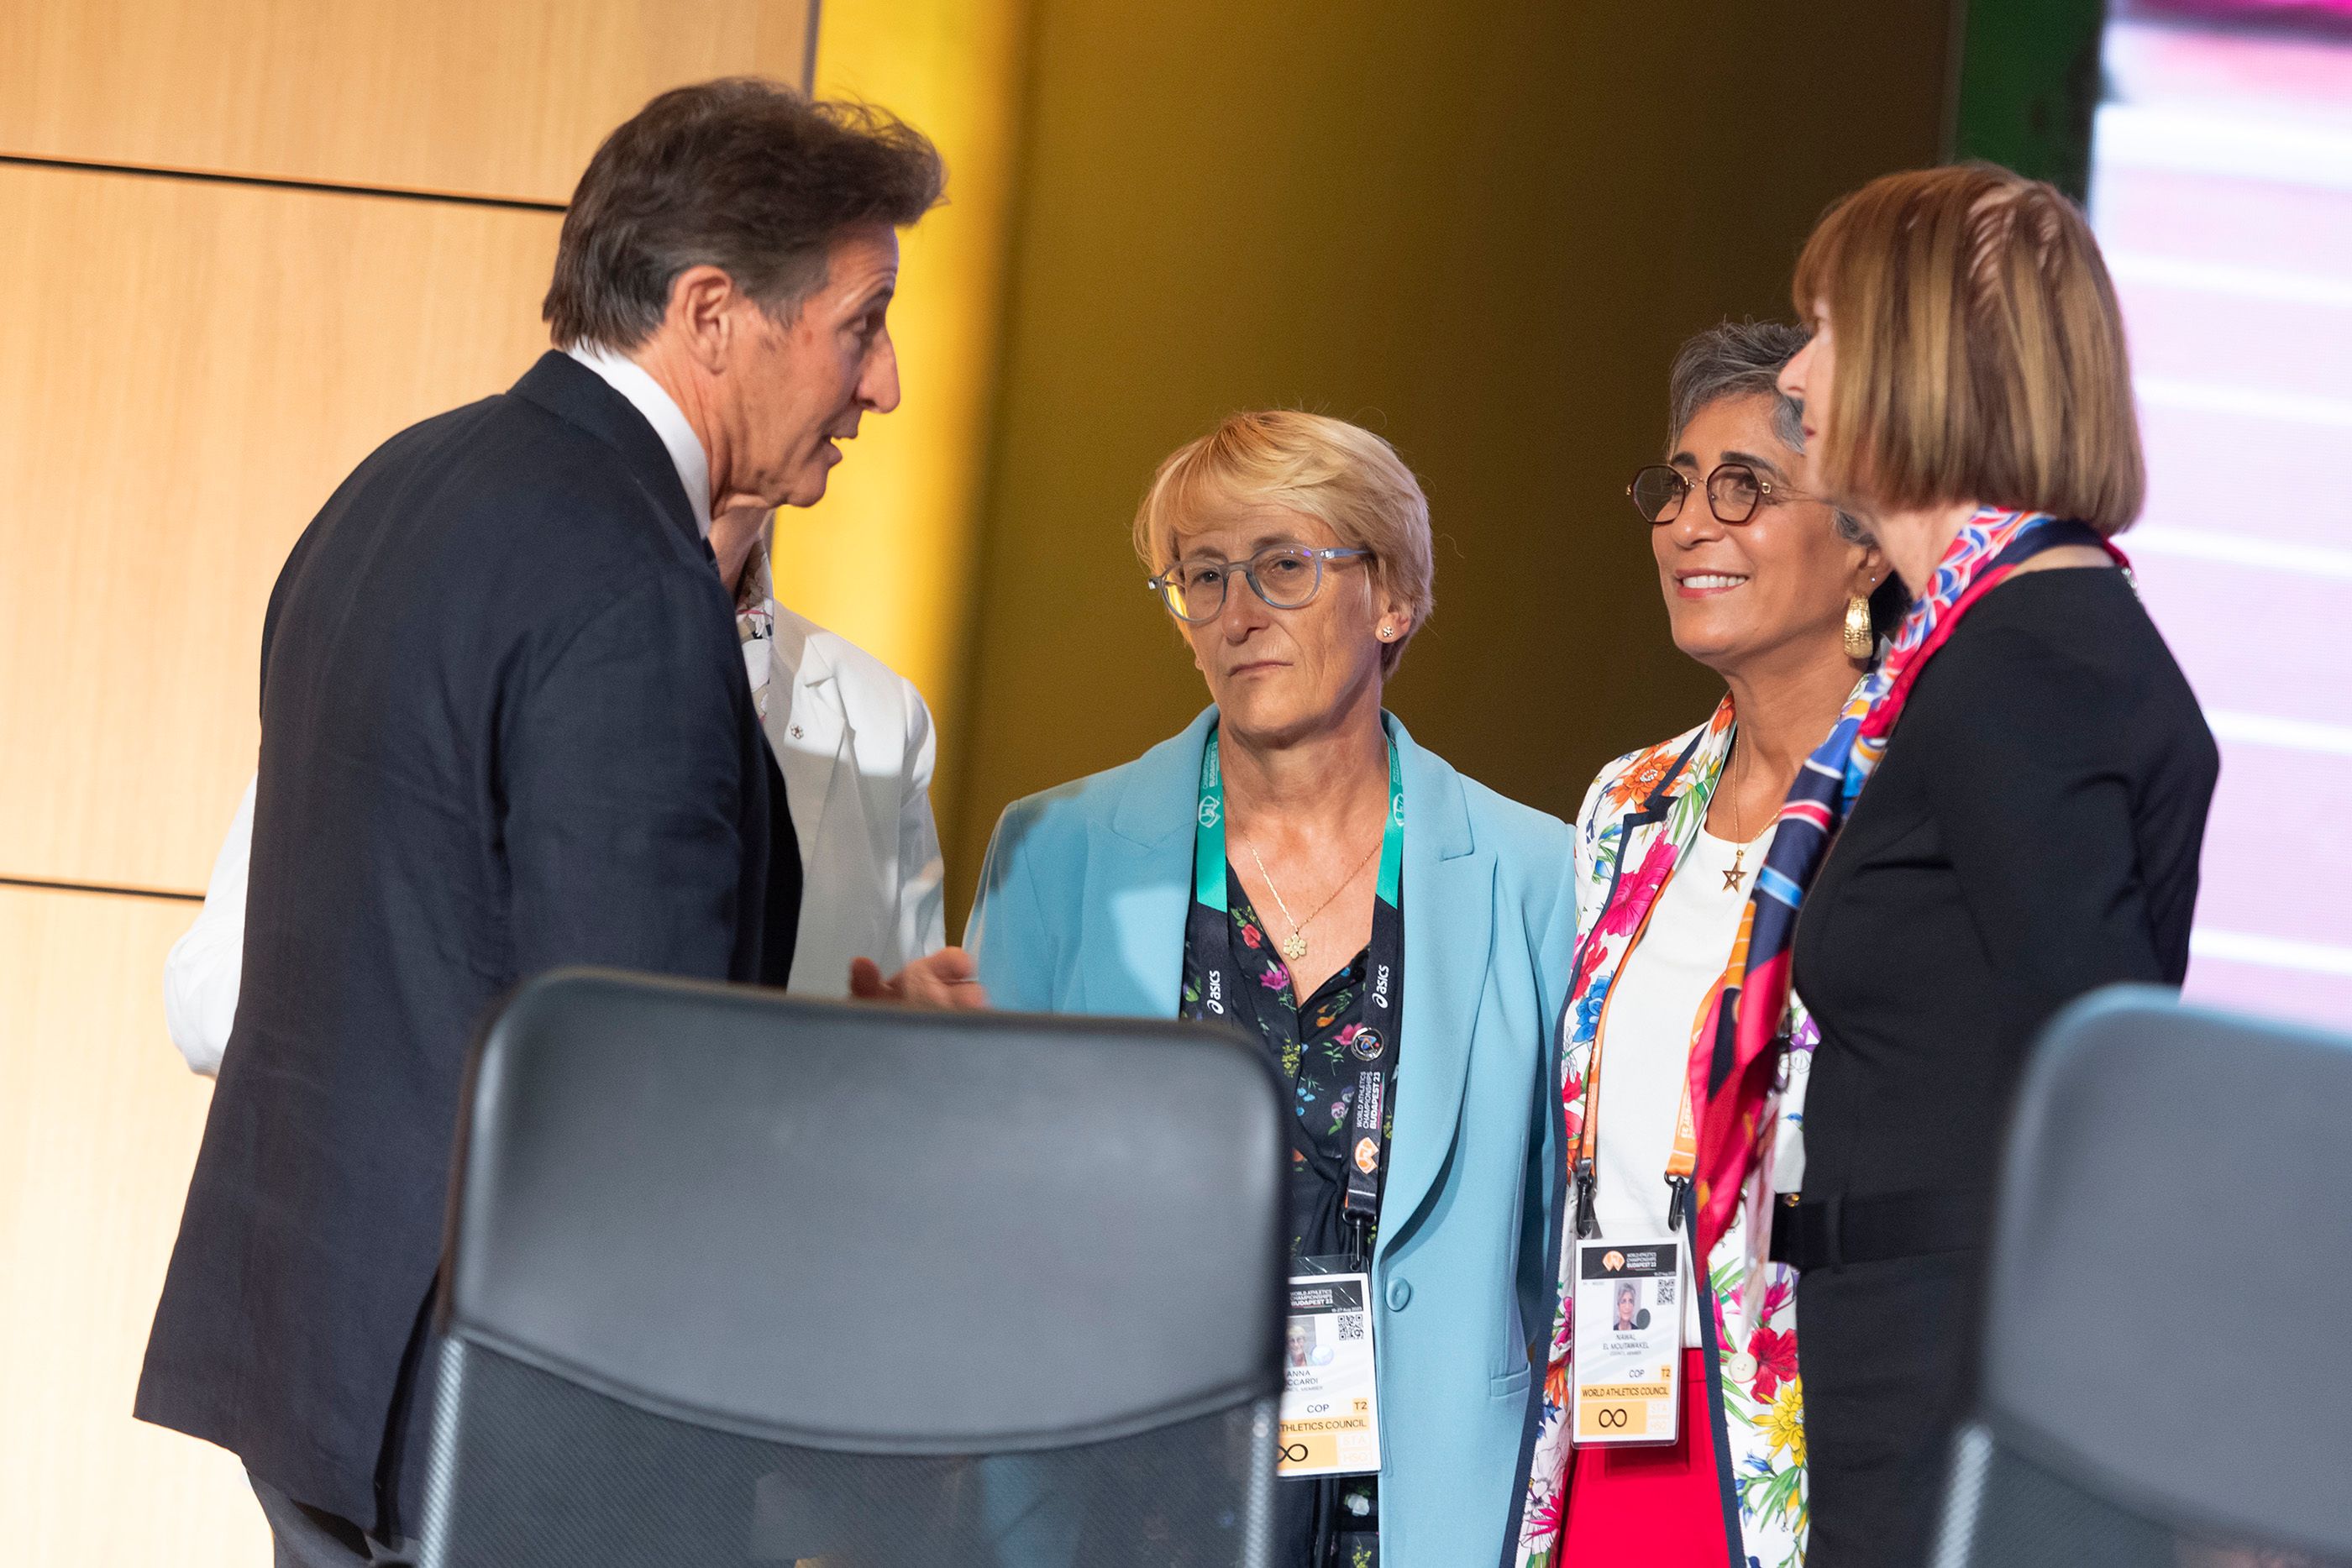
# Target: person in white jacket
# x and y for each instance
(853, 738)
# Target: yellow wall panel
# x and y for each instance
(189, 369)
(886, 558)
(504, 99)
(99, 1128)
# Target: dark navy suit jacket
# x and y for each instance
(505, 725)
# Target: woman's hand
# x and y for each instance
(948, 980)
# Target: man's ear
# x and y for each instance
(701, 314)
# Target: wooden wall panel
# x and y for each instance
(188, 371)
(98, 1127)
(504, 99)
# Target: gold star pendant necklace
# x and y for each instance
(1293, 947)
(1735, 875)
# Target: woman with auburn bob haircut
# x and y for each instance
(2007, 815)
(1293, 865)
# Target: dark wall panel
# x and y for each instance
(1480, 232)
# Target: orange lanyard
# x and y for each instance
(1685, 1152)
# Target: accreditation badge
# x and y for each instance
(1331, 1404)
(1628, 1347)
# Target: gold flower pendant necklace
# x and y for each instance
(1293, 947)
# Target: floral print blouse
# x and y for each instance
(1309, 1043)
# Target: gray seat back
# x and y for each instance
(2160, 1380)
(736, 1278)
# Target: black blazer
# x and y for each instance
(505, 725)
(2032, 833)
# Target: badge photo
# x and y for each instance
(1626, 1365)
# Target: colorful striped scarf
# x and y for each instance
(1741, 1071)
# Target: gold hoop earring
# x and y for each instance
(1860, 641)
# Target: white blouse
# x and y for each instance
(1646, 1040)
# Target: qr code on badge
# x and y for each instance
(1665, 1290)
(1351, 1325)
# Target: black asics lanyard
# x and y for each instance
(1209, 934)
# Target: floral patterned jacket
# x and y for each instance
(1640, 815)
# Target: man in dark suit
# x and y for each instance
(506, 727)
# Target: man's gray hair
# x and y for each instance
(740, 173)
(1743, 359)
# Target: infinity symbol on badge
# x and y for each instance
(1294, 1453)
(1612, 1416)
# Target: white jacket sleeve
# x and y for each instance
(922, 926)
(202, 974)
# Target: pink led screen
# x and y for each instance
(2222, 190)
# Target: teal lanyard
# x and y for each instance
(1209, 843)
(1209, 934)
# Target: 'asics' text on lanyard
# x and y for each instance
(1211, 938)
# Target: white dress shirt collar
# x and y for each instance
(629, 378)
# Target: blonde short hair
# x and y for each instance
(1340, 472)
(1980, 354)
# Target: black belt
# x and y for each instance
(1823, 1233)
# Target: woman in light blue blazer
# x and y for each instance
(1397, 937)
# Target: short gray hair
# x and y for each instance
(1743, 359)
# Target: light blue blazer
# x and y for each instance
(1082, 910)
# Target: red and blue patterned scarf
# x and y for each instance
(1738, 1073)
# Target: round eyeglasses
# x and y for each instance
(1734, 491)
(1287, 577)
